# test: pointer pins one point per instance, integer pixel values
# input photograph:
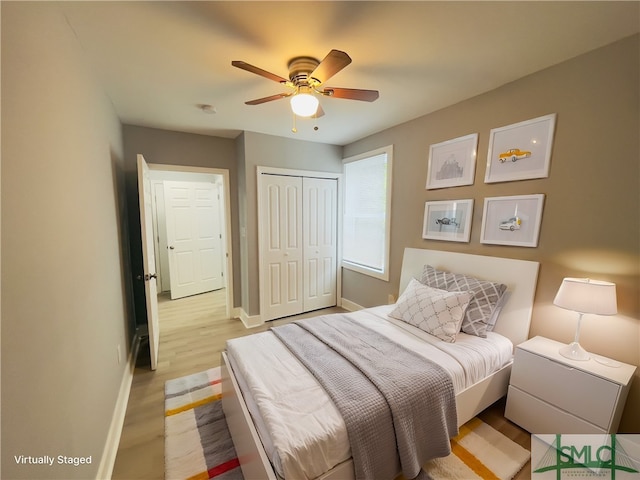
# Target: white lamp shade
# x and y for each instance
(304, 104)
(584, 295)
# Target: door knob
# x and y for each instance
(172, 247)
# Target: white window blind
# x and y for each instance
(366, 210)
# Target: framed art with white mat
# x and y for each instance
(520, 151)
(448, 220)
(452, 163)
(513, 220)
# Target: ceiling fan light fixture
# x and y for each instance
(304, 104)
(307, 77)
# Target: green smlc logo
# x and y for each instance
(599, 459)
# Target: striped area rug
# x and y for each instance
(479, 452)
(198, 445)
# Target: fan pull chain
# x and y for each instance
(294, 129)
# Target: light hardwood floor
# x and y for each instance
(193, 332)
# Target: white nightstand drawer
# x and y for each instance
(536, 416)
(583, 394)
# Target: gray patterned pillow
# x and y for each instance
(496, 311)
(486, 296)
(435, 311)
(433, 277)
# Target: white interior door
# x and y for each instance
(319, 213)
(194, 237)
(148, 259)
(281, 250)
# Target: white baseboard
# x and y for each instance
(350, 306)
(249, 321)
(108, 460)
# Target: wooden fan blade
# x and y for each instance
(258, 71)
(330, 65)
(352, 93)
(277, 96)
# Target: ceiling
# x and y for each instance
(160, 61)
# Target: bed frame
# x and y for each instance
(520, 276)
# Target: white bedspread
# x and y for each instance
(301, 429)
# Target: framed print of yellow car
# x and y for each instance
(520, 151)
(513, 154)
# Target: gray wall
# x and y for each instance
(269, 151)
(166, 147)
(590, 224)
(65, 291)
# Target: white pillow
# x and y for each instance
(435, 311)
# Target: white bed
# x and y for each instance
(476, 387)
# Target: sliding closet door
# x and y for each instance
(280, 210)
(320, 238)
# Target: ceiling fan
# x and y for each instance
(307, 76)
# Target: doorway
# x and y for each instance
(215, 250)
(188, 219)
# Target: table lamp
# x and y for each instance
(583, 295)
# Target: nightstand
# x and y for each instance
(549, 393)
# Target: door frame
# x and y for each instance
(260, 170)
(224, 173)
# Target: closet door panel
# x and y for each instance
(282, 253)
(320, 203)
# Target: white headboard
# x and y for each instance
(520, 277)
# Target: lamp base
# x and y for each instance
(607, 361)
(575, 352)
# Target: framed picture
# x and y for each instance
(452, 163)
(448, 220)
(520, 151)
(512, 220)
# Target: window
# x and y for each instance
(367, 212)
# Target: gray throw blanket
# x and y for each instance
(398, 407)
